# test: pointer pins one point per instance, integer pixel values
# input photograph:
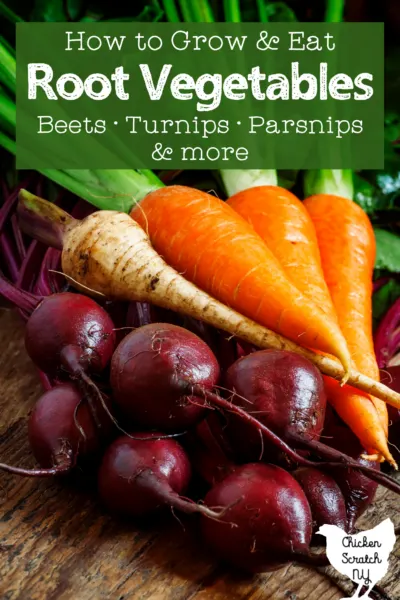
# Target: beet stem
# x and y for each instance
(70, 359)
(10, 261)
(338, 458)
(45, 381)
(65, 465)
(22, 299)
(313, 560)
(29, 266)
(19, 242)
(216, 400)
(8, 206)
(149, 480)
(346, 461)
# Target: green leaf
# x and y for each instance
(49, 11)
(383, 299)
(371, 197)
(392, 126)
(392, 79)
(150, 13)
(74, 9)
(266, 10)
(380, 190)
(279, 11)
(287, 179)
(90, 17)
(387, 251)
(8, 14)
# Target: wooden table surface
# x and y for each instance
(56, 542)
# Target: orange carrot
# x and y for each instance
(284, 224)
(212, 246)
(347, 246)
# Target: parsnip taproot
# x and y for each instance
(109, 254)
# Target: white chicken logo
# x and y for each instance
(363, 557)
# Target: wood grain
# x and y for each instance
(57, 543)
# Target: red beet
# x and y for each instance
(324, 497)
(151, 369)
(267, 522)
(61, 430)
(138, 476)
(282, 390)
(69, 333)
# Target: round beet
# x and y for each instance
(61, 429)
(52, 429)
(324, 497)
(138, 476)
(267, 520)
(69, 333)
(282, 390)
(151, 370)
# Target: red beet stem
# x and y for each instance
(27, 271)
(22, 299)
(9, 258)
(149, 479)
(45, 381)
(10, 203)
(64, 465)
(338, 459)
(71, 359)
(47, 282)
(216, 400)
(346, 461)
(19, 242)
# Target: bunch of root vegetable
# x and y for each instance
(145, 380)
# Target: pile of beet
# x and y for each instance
(154, 401)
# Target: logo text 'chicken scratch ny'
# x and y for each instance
(363, 557)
